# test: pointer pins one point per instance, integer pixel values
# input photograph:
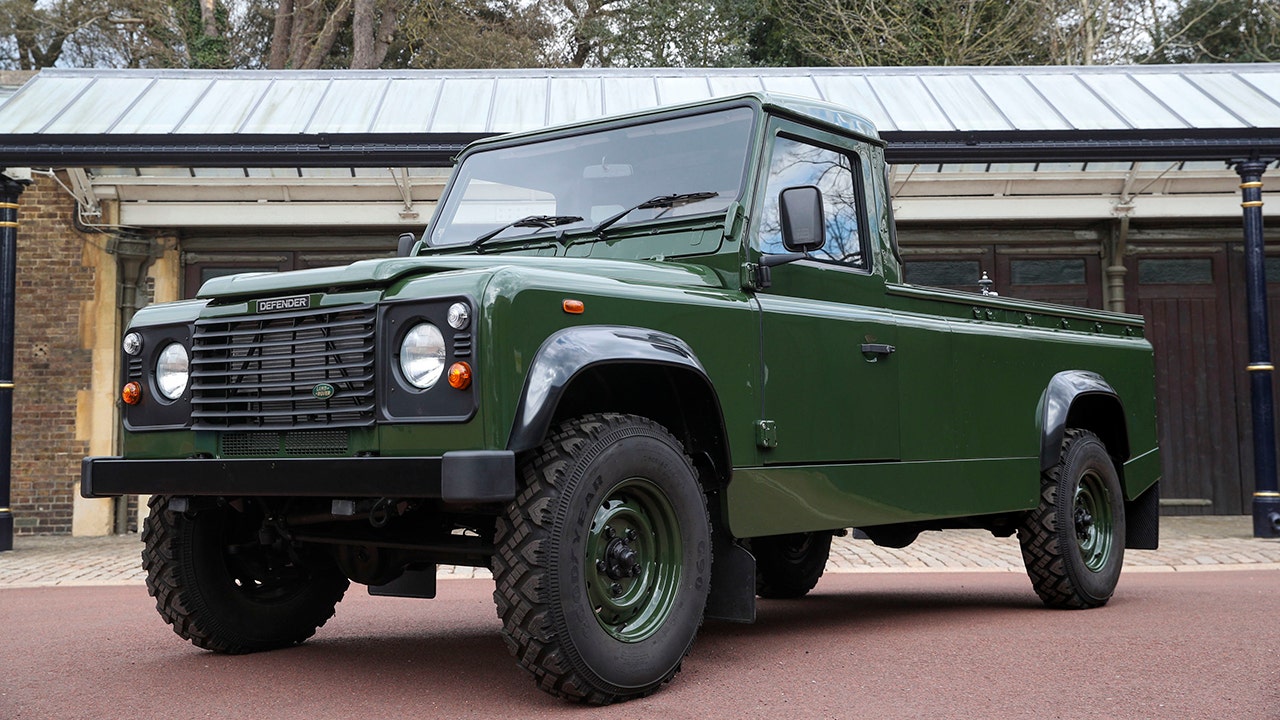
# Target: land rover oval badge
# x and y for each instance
(323, 391)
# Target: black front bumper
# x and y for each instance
(467, 476)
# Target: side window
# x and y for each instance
(796, 163)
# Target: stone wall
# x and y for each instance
(52, 366)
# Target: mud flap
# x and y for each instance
(733, 580)
(1142, 520)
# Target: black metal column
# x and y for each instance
(10, 190)
(1266, 496)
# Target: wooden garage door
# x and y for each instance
(1185, 297)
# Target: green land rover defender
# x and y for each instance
(643, 368)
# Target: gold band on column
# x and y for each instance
(1260, 367)
(1251, 203)
(1264, 494)
(1251, 185)
(9, 206)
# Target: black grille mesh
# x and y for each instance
(270, 371)
(297, 443)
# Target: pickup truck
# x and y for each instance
(644, 369)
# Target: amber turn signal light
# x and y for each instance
(574, 307)
(131, 394)
(460, 376)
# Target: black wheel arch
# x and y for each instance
(613, 368)
(1081, 399)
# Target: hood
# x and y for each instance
(369, 274)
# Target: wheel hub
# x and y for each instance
(633, 560)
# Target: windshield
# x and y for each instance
(596, 176)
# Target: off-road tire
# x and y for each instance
(210, 597)
(1073, 543)
(788, 566)
(584, 634)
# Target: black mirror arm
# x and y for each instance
(781, 259)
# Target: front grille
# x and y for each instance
(270, 371)
(296, 443)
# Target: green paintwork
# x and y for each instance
(635, 522)
(820, 434)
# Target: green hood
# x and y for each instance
(370, 274)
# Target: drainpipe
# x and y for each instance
(134, 254)
(12, 183)
(1113, 258)
(1266, 496)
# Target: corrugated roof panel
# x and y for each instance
(574, 99)
(161, 107)
(679, 90)
(801, 85)
(1133, 103)
(519, 104)
(725, 85)
(1019, 102)
(350, 106)
(464, 105)
(910, 106)
(855, 93)
(286, 107)
(226, 105)
(1268, 83)
(30, 111)
(1187, 100)
(1243, 100)
(627, 94)
(408, 106)
(99, 106)
(964, 103)
(1074, 101)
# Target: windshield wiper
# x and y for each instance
(662, 201)
(533, 221)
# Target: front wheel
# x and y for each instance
(1073, 543)
(223, 590)
(603, 560)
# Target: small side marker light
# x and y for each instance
(574, 307)
(131, 394)
(460, 376)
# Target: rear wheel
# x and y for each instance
(788, 566)
(223, 590)
(1073, 544)
(603, 561)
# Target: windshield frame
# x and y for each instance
(450, 198)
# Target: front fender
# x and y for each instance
(570, 351)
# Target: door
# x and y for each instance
(1184, 295)
(830, 382)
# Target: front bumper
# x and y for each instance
(463, 477)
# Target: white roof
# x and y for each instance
(185, 102)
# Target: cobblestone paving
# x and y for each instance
(1186, 543)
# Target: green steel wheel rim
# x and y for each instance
(633, 560)
(1094, 522)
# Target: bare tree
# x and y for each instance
(876, 32)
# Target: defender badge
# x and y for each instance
(323, 391)
(300, 302)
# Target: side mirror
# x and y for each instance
(405, 246)
(800, 212)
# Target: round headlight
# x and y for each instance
(132, 343)
(459, 316)
(422, 355)
(173, 370)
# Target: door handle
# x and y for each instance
(878, 349)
